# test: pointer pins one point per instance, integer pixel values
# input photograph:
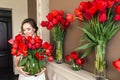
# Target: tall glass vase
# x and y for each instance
(100, 62)
(59, 52)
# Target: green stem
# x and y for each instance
(59, 51)
(100, 62)
(75, 67)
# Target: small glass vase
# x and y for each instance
(100, 62)
(76, 67)
(59, 52)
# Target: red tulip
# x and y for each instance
(101, 5)
(50, 25)
(117, 17)
(15, 45)
(54, 12)
(19, 53)
(54, 21)
(45, 45)
(18, 37)
(84, 6)
(38, 56)
(77, 12)
(102, 17)
(48, 52)
(13, 51)
(74, 55)
(44, 23)
(25, 53)
(69, 17)
(92, 10)
(80, 61)
(49, 16)
(32, 41)
(110, 4)
(59, 17)
(60, 12)
(38, 45)
(116, 64)
(67, 57)
(50, 58)
(87, 15)
(11, 41)
(80, 18)
(117, 9)
(38, 40)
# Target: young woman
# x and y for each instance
(28, 28)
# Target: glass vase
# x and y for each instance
(100, 62)
(59, 52)
(75, 67)
(32, 65)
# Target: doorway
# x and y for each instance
(6, 61)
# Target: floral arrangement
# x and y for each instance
(75, 60)
(32, 52)
(101, 22)
(57, 23)
(116, 64)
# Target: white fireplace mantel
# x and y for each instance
(64, 72)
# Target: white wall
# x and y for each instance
(19, 13)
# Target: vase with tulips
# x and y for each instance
(75, 61)
(57, 24)
(32, 51)
(101, 22)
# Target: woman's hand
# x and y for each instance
(20, 70)
(42, 71)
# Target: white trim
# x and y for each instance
(42, 11)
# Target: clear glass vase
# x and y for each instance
(59, 52)
(100, 62)
(75, 67)
(32, 65)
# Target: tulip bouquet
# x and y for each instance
(57, 23)
(101, 22)
(32, 52)
(75, 60)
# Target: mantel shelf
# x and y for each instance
(64, 72)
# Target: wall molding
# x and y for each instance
(42, 11)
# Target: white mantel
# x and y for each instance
(64, 72)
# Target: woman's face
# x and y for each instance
(28, 30)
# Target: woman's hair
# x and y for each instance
(31, 22)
